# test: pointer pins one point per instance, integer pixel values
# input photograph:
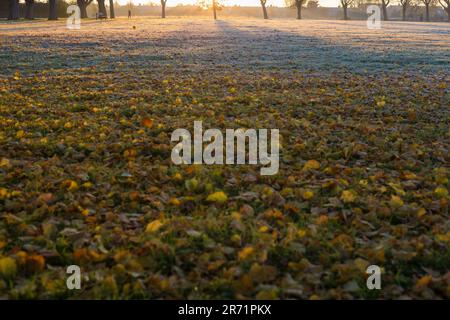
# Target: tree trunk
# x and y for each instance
(52, 15)
(263, 5)
(83, 9)
(112, 14)
(214, 9)
(384, 8)
(427, 12)
(13, 10)
(163, 9)
(29, 6)
(345, 12)
(404, 12)
(102, 8)
(299, 9)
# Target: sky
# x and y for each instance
(280, 3)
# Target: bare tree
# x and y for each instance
(345, 4)
(101, 8)
(13, 10)
(214, 6)
(384, 5)
(446, 6)
(163, 8)
(82, 4)
(405, 4)
(263, 5)
(52, 15)
(427, 4)
(112, 14)
(298, 4)
(29, 6)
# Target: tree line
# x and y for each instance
(405, 4)
(13, 10)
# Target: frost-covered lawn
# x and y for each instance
(198, 44)
(86, 176)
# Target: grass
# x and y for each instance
(86, 177)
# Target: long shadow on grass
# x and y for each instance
(264, 46)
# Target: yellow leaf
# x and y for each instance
(3, 193)
(323, 219)
(8, 267)
(219, 197)
(363, 182)
(424, 281)
(381, 103)
(308, 194)
(20, 134)
(361, 264)
(348, 196)
(68, 125)
(301, 233)
(311, 164)
(397, 188)
(245, 253)
(5, 163)
(154, 226)
(174, 201)
(396, 201)
(177, 176)
(441, 192)
(409, 176)
(71, 185)
(87, 185)
(421, 212)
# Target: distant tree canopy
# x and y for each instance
(312, 4)
(215, 5)
(30, 9)
(446, 6)
(33, 9)
(409, 9)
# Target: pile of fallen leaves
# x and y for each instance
(86, 178)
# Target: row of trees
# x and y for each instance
(405, 4)
(215, 5)
(13, 12)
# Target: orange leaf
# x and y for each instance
(147, 122)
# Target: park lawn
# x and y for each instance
(86, 175)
